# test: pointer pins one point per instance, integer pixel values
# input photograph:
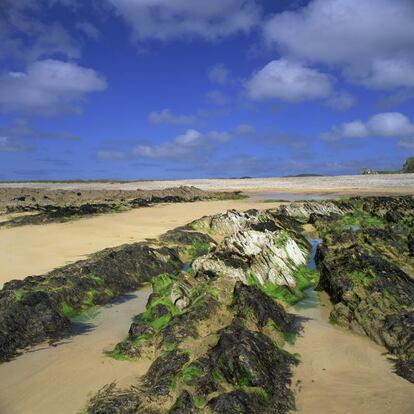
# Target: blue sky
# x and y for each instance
(147, 89)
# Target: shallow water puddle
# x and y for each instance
(59, 379)
(341, 372)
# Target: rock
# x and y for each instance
(160, 376)
(305, 210)
(268, 256)
(40, 312)
(408, 166)
(249, 300)
(110, 400)
(183, 405)
(28, 321)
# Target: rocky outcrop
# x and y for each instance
(367, 269)
(39, 307)
(266, 256)
(305, 210)
(62, 205)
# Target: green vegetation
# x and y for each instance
(305, 278)
(281, 239)
(190, 373)
(69, 311)
(290, 337)
(259, 391)
(360, 219)
(198, 249)
(19, 294)
(198, 401)
(364, 279)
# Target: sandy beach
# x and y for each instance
(33, 250)
(334, 361)
(361, 184)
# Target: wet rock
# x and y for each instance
(33, 310)
(28, 321)
(160, 376)
(183, 235)
(368, 275)
(250, 358)
(250, 301)
(183, 405)
(110, 400)
(239, 402)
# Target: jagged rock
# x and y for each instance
(229, 222)
(110, 400)
(368, 274)
(269, 256)
(250, 358)
(305, 210)
(160, 376)
(185, 236)
(99, 279)
(263, 308)
(239, 402)
(183, 405)
(28, 321)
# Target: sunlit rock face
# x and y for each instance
(306, 209)
(266, 256)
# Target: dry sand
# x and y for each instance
(367, 184)
(58, 380)
(33, 250)
(341, 372)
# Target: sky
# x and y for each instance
(168, 89)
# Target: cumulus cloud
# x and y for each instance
(47, 86)
(219, 74)
(165, 116)
(172, 19)
(387, 124)
(191, 143)
(367, 38)
(290, 81)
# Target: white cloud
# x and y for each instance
(191, 143)
(47, 86)
(165, 116)
(387, 124)
(290, 81)
(368, 38)
(169, 19)
(219, 74)
(389, 73)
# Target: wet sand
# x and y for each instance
(59, 379)
(33, 250)
(341, 372)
